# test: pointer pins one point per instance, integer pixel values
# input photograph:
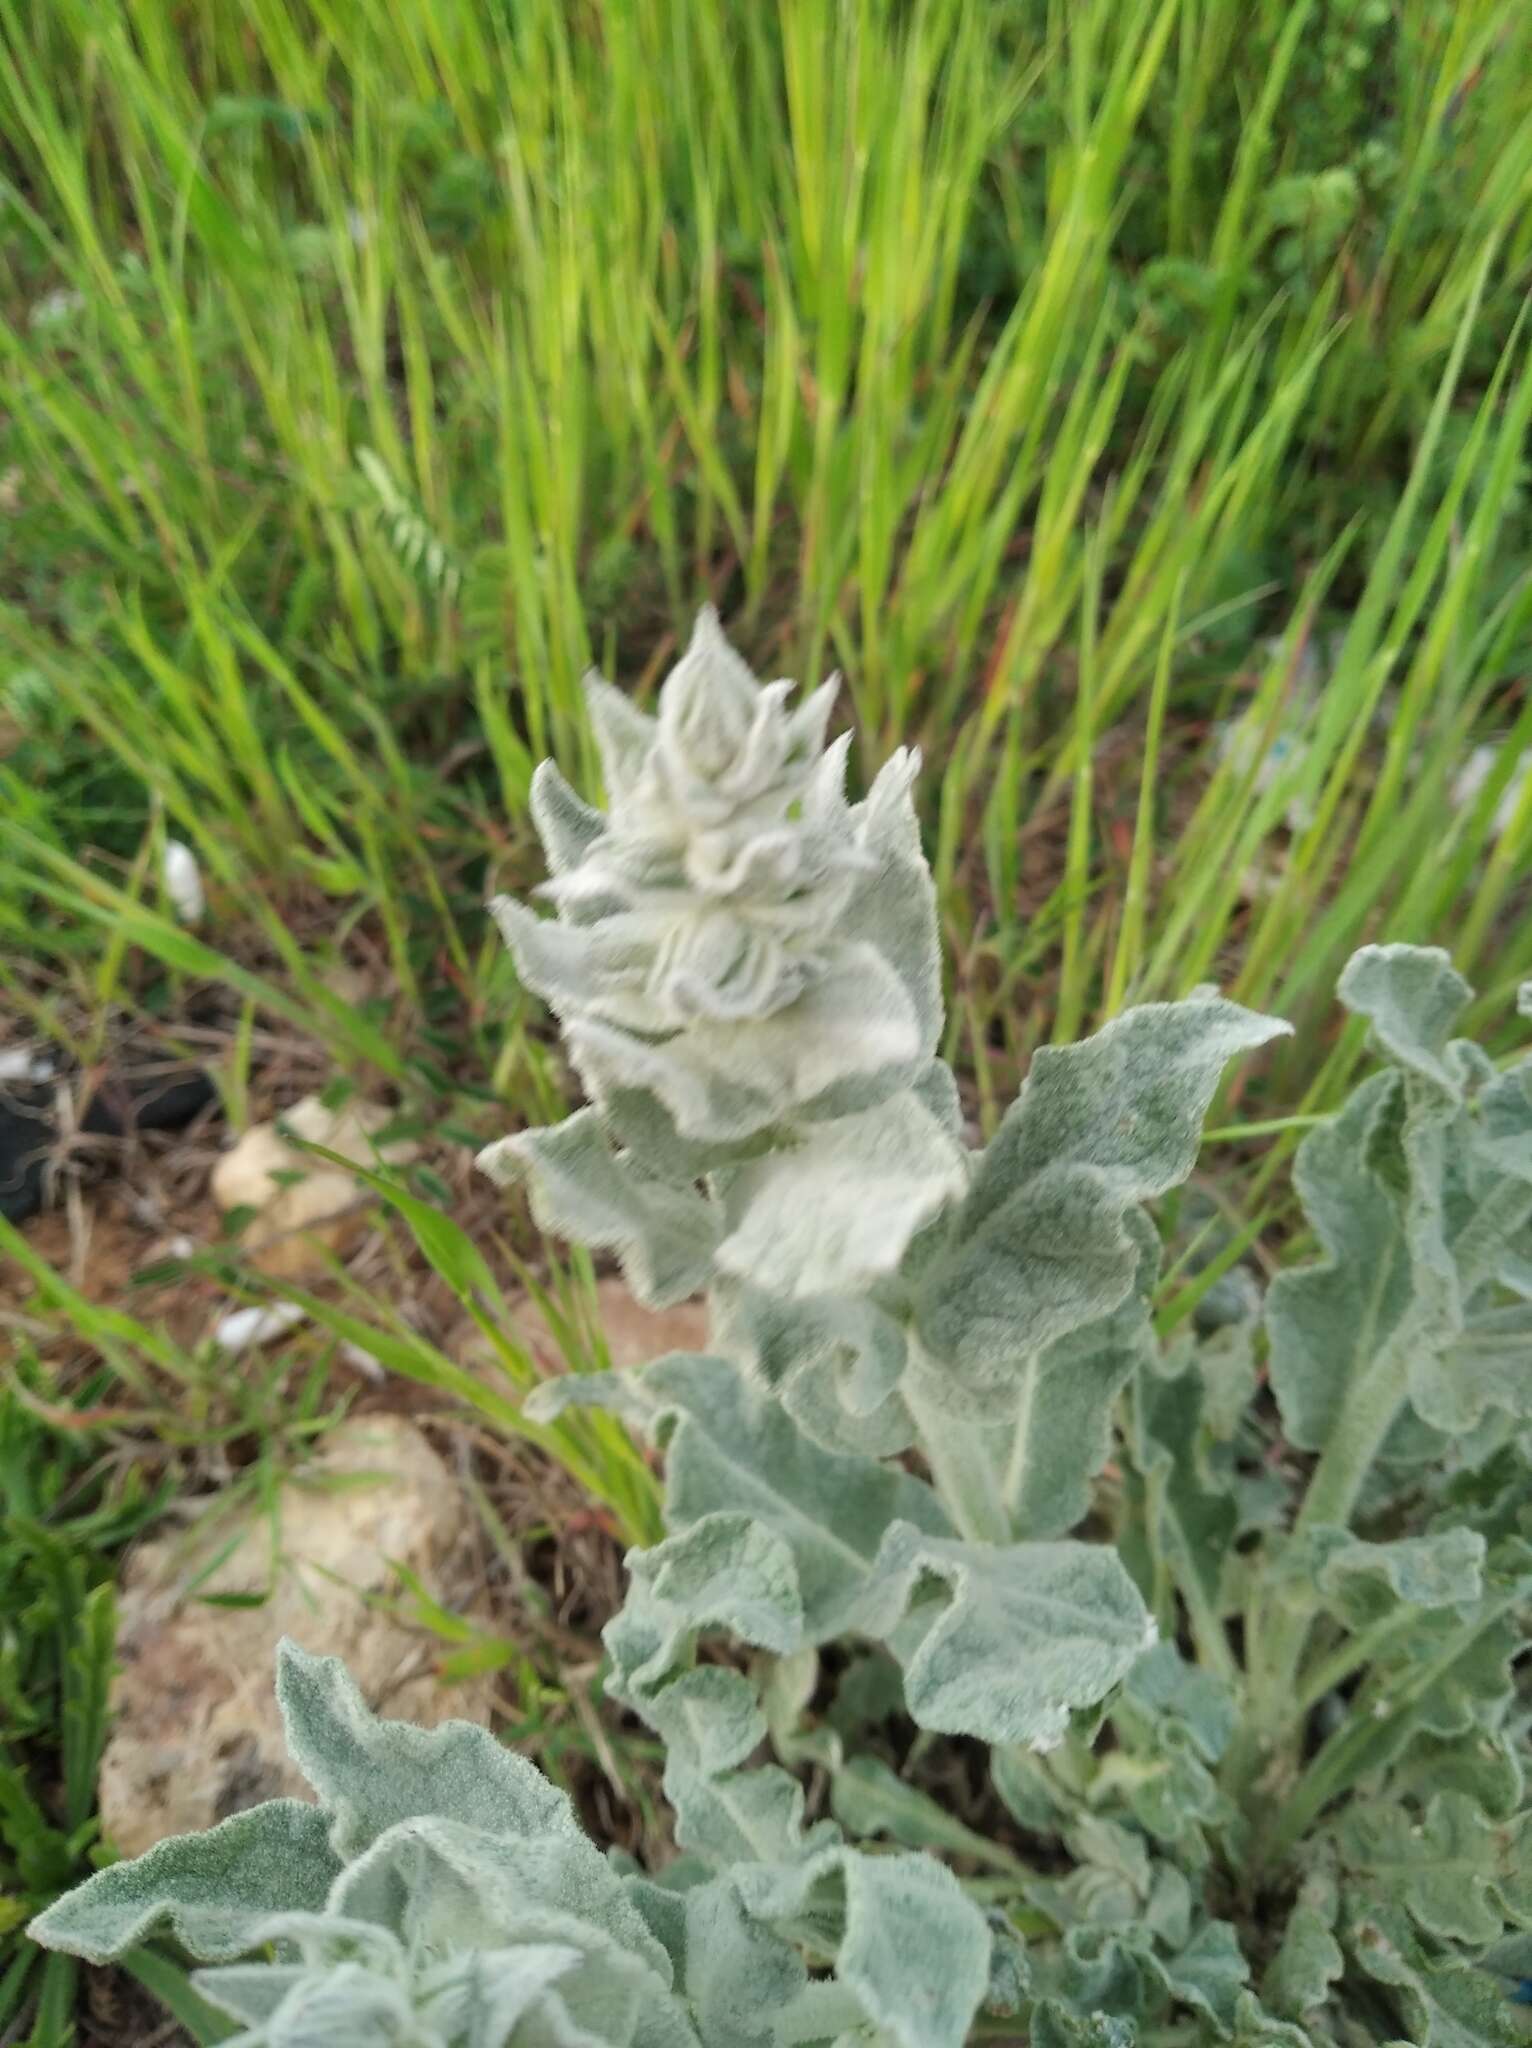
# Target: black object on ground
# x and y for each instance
(153, 1098)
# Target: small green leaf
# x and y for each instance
(1055, 2026)
(1309, 1959)
(1361, 1582)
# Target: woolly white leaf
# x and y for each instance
(1015, 1639)
(1061, 1434)
(347, 2006)
(481, 1999)
(1362, 1582)
(1411, 996)
(581, 1189)
(212, 1891)
(567, 826)
(730, 1448)
(1041, 1246)
(894, 907)
(725, 1080)
(618, 1393)
(1420, 1193)
(1488, 1366)
(1323, 1319)
(732, 938)
(624, 735)
(835, 1362)
(725, 1570)
(446, 1884)
(370, 1774)
(251, 1992)
(710, 1723)
(836, 1211)
(738, 1974)
(914, 1954)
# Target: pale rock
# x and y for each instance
(195, 1731)
(298, 1221)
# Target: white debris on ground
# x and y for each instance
(183, 882)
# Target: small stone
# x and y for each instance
(183, 882)
(196, 1734)
(300, 1221)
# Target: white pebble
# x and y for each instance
(24, 1063)
(243, 1329)
(183, 882)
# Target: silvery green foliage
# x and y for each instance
(441, 1895)
(790, 1546)
(1420, 1194)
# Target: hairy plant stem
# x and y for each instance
(1279, 1629)
(959, 1454)
(1174, 1570)
(1021, 1435)
(1328, 1672)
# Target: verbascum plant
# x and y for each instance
(1255, 1745)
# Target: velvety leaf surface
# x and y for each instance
(835, 1362)
(664, 1236)
(1327, 1320)
(1016, 1639)
(1062, 1431)
(1457, 1873)
(730, 1448)
(1442, 2003)
(1309, 1959)
(833, 1213)
(1411, 996)
(1041, 1246)
(913, 1953)
(211, 1891)
(370, 1773)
